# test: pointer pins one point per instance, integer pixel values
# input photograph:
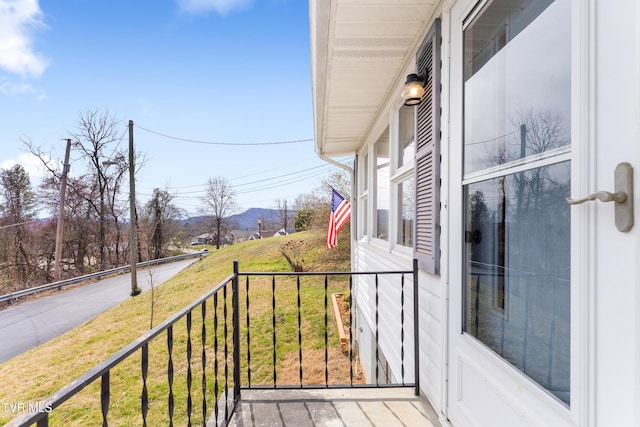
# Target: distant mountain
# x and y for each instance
(247, 220)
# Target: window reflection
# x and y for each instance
(518, 270)
(406, 194)
(381, 149)
(364, 196)
(406, 134)
(517, 82)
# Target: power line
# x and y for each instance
(492, 139)
(304, 173)
(282, 176)
(253, 174)
(18, 224)
(281, 184)
(246, 144)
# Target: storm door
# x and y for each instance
(514, 296)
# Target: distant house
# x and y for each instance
(210, 239)
(266, 233)
(281, 232)
(205, 239)
(470, 123)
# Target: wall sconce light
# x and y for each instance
(413, 89)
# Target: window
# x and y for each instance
(403, 177)
(381, 151)
(406, 135)
(406, 211)
(517, 92)
(363, 199)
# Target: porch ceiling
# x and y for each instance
(358, 51)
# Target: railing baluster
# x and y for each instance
(226, 352)
(189, 373)
(273, 321)
(416, 328)
(170, 401)
(44, 421)
(235, 300)
(402, 328)
(204, 361)
(477, 306)
(525, 335)
(351, 338)
(377, 335)
(248, 336)
(552, 332)
(145, 372)
(215, 355)
(326, 330)
(299, 330)
(105, 397)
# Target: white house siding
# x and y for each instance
(369, 257)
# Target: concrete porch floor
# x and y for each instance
(334, 407)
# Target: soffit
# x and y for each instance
(358, 49)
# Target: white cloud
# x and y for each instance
(11, 88)
(221, 7)
(31, 164)
(18, 20)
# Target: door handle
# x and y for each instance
(623, 197)
(603, 196)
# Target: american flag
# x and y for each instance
(338, 216)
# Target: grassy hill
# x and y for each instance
(39, 372)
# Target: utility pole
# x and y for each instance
(60, 227)
(135, 290)
(157, 232)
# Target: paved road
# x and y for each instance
(32, 323)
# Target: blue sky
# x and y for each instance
(229, 71)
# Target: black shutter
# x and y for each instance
(427, 161)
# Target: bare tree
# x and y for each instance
(219, 202)
(160, 216)
(97, 154)
(283, 214)
(98, 134)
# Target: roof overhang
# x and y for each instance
(359, 52)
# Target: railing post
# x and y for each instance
(235, 301)
(416, 326)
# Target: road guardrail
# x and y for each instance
(98, 275)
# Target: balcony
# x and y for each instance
(259, 349)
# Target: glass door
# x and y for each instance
(517, 97)
(510, 156)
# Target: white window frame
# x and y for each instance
(399, 173)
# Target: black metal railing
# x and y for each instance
(281, 325)
(280, 336)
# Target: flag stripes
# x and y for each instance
(338, 215)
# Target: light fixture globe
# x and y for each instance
(413, 90)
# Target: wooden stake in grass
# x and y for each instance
(152, 298)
